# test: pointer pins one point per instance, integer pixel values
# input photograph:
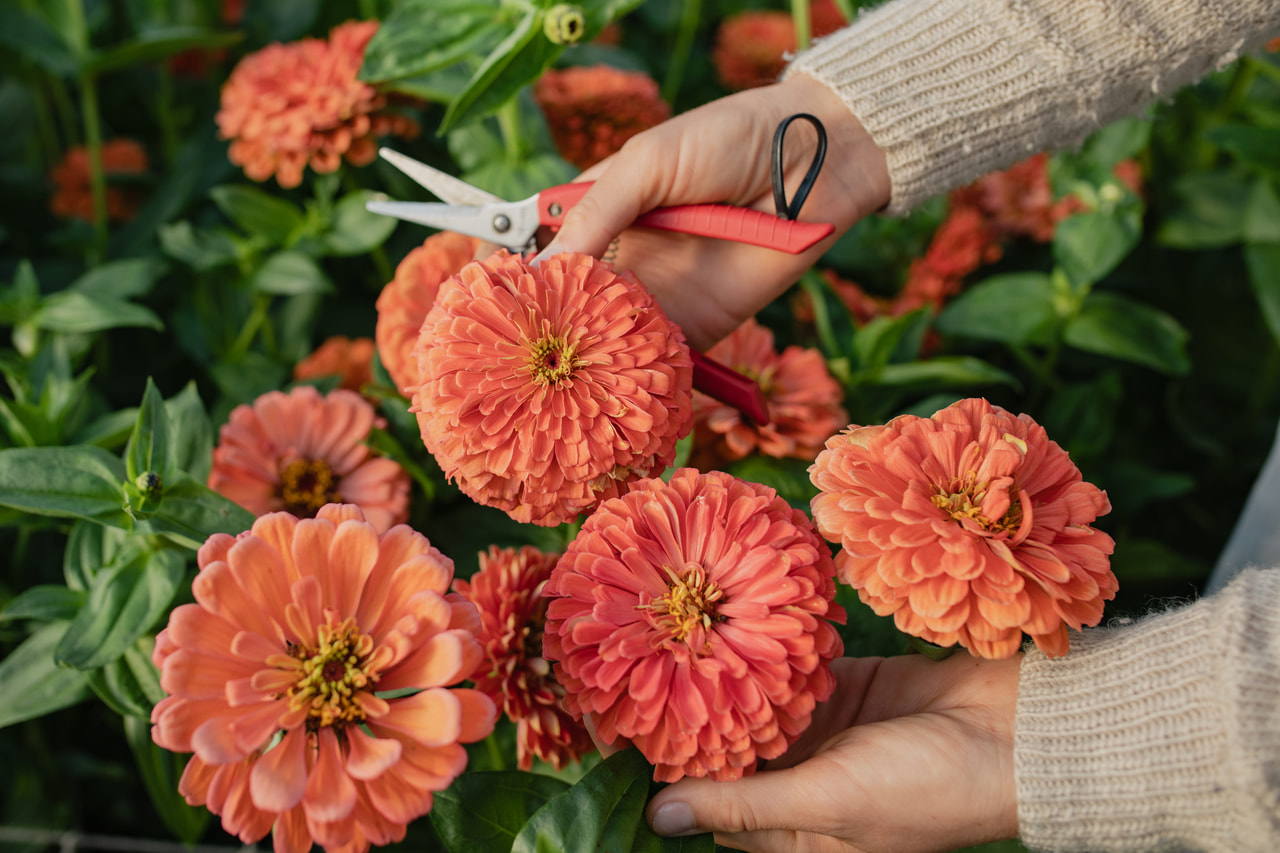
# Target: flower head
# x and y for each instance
(300, 450)
(351, 359)
(803, 400)
(507, 592)
(751, 47)
(691, 619)
(545, 389)
(407, 298)
(593, 110)
(73, 197)
(289, 679)
(288, 106)
(969, 527)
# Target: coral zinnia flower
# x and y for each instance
(691, 618)
(547, 388)
(349, 358)
(299, 451)
(751, 47)
(288, 106)
(405, 301)
(592, 110)
(507, 591)
(73, 197)
(970, 527)
(278, 679)
(803, 401)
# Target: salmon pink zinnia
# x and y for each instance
(592, 110)
(969, 527)
(692, 619)
(545, 389)
(298, 451)
(507, 592)
(350, 359)
(311, 678)
(73, 196)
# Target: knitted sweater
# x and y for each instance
(954, 89)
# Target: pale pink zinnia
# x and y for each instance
(507, 592)
(300, 450)
(545, 389)
(691, 618)
(969, 527)
(802, 397)
(311, 678)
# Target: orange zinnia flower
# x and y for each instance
(691, 619)
(592, 110)
(969, 527)
(507, 591)
(288, 106)
(73, 197)
(280, 678)
(803, 401)
(407, 298)
(349, 358)
(752, 47)
(299, 451)
(545, 389)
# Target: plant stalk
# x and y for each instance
(800, 15)
(509, 123)
(691, 14)
(97, 178)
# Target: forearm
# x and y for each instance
(953, 89)
(1160, 734)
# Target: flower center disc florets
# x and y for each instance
(962, 498)
(552, 360)
(331, 674)
(306, 485)
(690, 601)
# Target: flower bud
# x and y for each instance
(149, 483)
(564, 23)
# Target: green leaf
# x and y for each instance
(1017, 308)
(160, 770)
(190, 513)
(1082, 416)
(422, 36)
(1262, 216)
(44, 603)
(1263, 260)
(604, 811)
(130, 684)
(1089, 245)
(90, 548)
(28, 35)
(76, 312)
(482, 812)
(258, 212)
(530, 176)
(80, 481)
(1118, 141)
(940, 371)
(125, 600)
(355, 230)
(289, 274)
(201, 250)
(1208, 212)
(1254, 146)
(1131, 485)
(148, 449)
(886, 339)
(788, 477)
(520, 58)
(121, 280)
(33, 684)
(190, 433)
(158, 44)
(1116, 326)
(110, 431)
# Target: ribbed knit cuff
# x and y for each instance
(1163, 734)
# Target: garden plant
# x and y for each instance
(328, 529)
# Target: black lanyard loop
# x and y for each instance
(791, 210)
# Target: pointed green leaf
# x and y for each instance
(290, 273)
(1089, 245)
(28, 34)
(121, 280)
(90, 548)
(76, 312)
(130, 684)
(44, 603)
(258, 212)
(1263, 260)
(31, 681)
(1116, 326)
(1016, 308)
(1208, 210)
(1253, 145)
(201, 250)
(422, 36)
(190, 513)
(160, 770)
(941, 371)
(190, 433)
(148, 449)
(158, 44)
(481, 812)
(125, 601)
(77, 482)
(355, 230)
(1262, 216)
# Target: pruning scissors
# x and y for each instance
(469, 210)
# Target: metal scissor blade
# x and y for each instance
(509, 224)
(440, 184)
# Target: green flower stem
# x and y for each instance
(368, 9)
(800, 15)
(495, 753)
(164, 118)
(691, 14)
(509, 123)
(97, 179)
(257, 318)
(65, 110)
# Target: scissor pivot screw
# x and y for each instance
(501, 223)
(555, 209)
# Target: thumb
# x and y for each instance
(789, 799)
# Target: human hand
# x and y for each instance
(907, 755)
(720, 152)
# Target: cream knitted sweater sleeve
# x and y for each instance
(1162, 734)
(953, 89)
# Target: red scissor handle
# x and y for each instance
(722, 221)
(729, 386)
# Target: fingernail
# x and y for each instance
(674, 819)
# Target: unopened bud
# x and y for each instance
(149, 483)
(564, 23)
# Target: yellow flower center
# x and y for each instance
(552, 360)
(306, 485)
(331, 674)
(690, 601)
(962, 498)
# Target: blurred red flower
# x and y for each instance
(73, 196)
(752, 47)
(592, 110)
(349, 358)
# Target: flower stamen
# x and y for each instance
(306, 485)
(331, 675)
(690, 602)
(552, 361)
